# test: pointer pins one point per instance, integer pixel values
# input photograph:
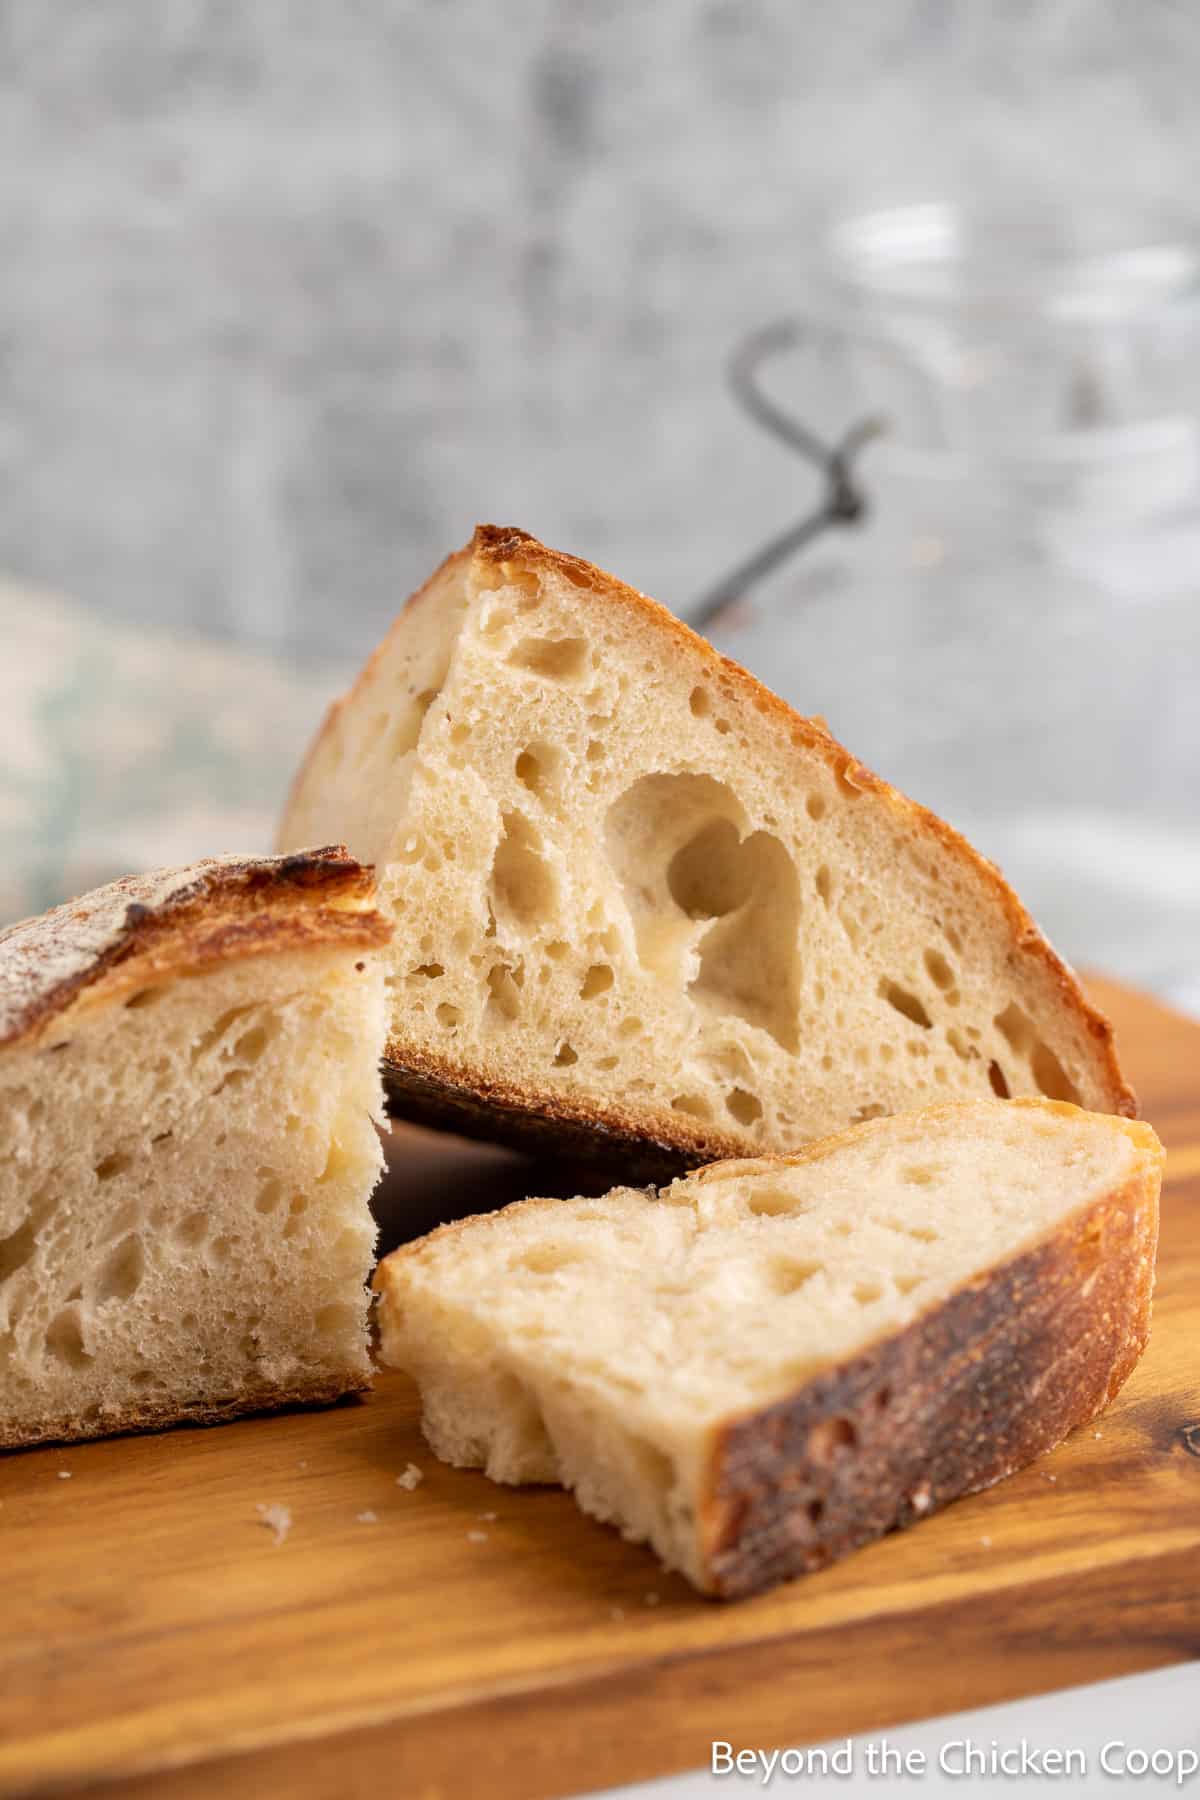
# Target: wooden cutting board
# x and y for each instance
(464, 1639)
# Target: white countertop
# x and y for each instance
(1106, 1727)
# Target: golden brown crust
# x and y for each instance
(989, 1379)
(178, 921)
(157, 1417)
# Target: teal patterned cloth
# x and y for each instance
(123, 750)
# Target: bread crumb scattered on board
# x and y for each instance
(411, 1478)
(477, 1537)
(1046, 1477)
(986, 1542)
(651, 1599)
(367, 1518)
(64, 1474)
(276, 1518)
(488, 1516)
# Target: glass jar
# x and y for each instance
(1012, 634)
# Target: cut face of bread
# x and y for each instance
(641, 903)
(775, 1361)
(188, 1083)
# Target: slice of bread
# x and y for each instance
(642, 906)
(188, 1083)
(775, 1361)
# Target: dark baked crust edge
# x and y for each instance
(219, 910)
(635, 1149)
(993, 1377)
(158, 1417)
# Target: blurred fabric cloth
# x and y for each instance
(123, 749)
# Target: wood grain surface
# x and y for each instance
(470, 1640)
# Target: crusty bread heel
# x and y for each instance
(647, 914)
(188, 1086)
(772, 1362)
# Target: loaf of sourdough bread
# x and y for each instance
(774, 1361)
(188, 1090)
(642, 908)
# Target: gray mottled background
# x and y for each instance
(293, 293)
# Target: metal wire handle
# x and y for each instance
(843, 503)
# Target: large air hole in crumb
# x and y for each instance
(429, 971)
(866, 1292)
(113, 1165)
(448, 1016)
(607, 1063)
(700, 702)
(905, 1003)
(772, 1202)
(744, 1106)
(548, 1259)
(564, 1056)
(217, 1030)
(269, 1195)
(246, 1051)
(824, 884)
(523, 889)
(64, 1339)
(1051, 1077)
(788, 1275)
(940, 971)
(998, 1081)
(816, 806)
(919, 1175)
(193, 1228)
(872, 1110)
(1018, 1031)
(697, 889)
(555, 659)
(598, 980)
(124, 1267)
(906, 1284)
(504, 990)
(748, 961)
(16, 1249)
(537, 768)
(693, 1106)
